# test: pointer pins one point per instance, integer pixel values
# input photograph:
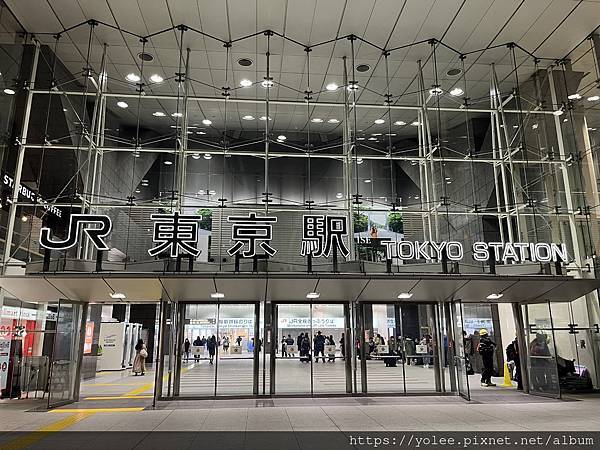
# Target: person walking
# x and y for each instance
(284, 353)
(197, 343)
(186, 348)
(319, 345)
(226, 344)
(238, 341)
(343, 347)
(139, 363)
(211, 345)
(331, 342)
(305, 349)
(486, 349)
(289, 342)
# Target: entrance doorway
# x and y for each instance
(217, 351)
(309, 355)
(399, 348)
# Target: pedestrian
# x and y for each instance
(289, 342)
(197, 343)
(331, 355)
(512, 354)
(139, 363)
(305, 349)
(486, 349)
(284, 348)
(343, 346)
(238, 341)
(211, 345)
(226, 344)
(319, 345)
(186, 348)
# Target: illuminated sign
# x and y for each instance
(507, 252)
(77, 221)
(175, 232)
(249, 231)
(27, 194)
(321, 234)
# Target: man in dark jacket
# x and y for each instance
(319, 346)
(512, 354)
(486, 349)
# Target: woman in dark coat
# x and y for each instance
(212, 347)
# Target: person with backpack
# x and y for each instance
(512, 354)
(486, 349)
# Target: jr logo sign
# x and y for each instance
(77, 221)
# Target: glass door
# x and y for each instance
(541, 350)
(67, 353)
(461, 362)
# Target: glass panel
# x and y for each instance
(66, 356)
(420, 346)
(293, 370)
(329, 376)
(461, 362)
(541, 353)
(235, 355)
(198, 373)
(384, 360)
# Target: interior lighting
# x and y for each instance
(574, 97)
(368, 180)
(332, 87)
(248, 117)
(593, 98)
(399, 122)
(379, 121)
(156, 78)
(177, 114)
(168, 162)
(405, 295)
(281, 137)
(133, 77)
(217, 295)
(9, 91)
(158, 114)
(207, 156)
(339, 195)
(196, 155)
(359, 160)
(207, 122)
(118, 295)
(316, 120)
(122, 104)
(333, 121)
(416, 123)
(456, 92)
(313, 295)
(558, 112)
(245, 83)
(494, 296)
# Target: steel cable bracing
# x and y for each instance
(388, 102)
(308, 98)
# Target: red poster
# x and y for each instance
(89, 337)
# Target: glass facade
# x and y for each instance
(417, 142)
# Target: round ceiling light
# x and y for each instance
(177, 114)
(333, 121)
(399, 122)
(379, 121)
(156, 78)
(133, 77)
(158, 114)
(332, 87)
(207, 156)
(456, 92)
(145, 56)
(281, 137)
(207, 122)
(122, 104)
(363, 68)
(168, 162)
(316, 120)
(9, 91)
(454, 72)
(248, 117)
(245, 83)
(196, 156)
(245, 62)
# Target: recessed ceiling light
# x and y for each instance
(368, 180)
(416, 123)
(333, 121)
(316, 120)
(145, 56)
(122, 104)
(494, 296)
(9, 91)
(132, 77)
(593, 98)
(200, 132)
(332, 87)
(313, 295)
(118, 295)
(372, 138)
(267, 84)
(363, 68)
(574, 97)
(207, 122)
(379, 121)
(207, 156)
(156, 78)
(264, 118)
(281, 137)
(405, 295)
(339, 195)
(399, 122)
(248, 117)
(245, 62)
(177, 114)
(217, 295)
(196, 155)
(245, 83)
(168, 162)
(158, 114)
(456, 92)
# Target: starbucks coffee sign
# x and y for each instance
(507, 252)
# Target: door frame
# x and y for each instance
(348, 347)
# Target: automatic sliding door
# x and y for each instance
(460, 359)
(420, 341)
(235, 353)
(293, 354)
(329, 370)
